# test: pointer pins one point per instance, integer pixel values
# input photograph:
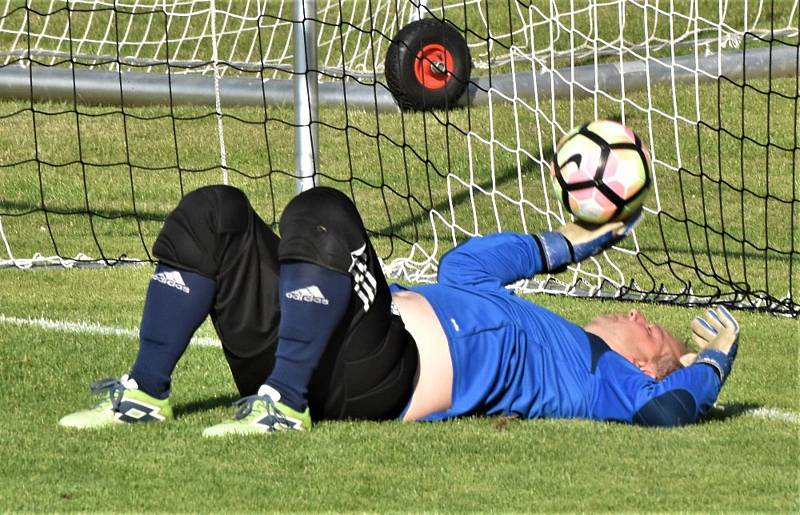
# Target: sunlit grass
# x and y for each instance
(471, 464)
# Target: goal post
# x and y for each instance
(111, 110)
(306, 94)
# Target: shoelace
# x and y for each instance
(276, 416)
(115, 390)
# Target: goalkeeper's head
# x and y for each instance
(649, 346)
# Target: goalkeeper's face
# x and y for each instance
(649, 346)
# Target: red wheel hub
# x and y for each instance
(433, 66)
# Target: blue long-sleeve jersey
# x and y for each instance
(512, 357)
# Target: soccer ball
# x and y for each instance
(601, 172)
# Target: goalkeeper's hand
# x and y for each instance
(590, 239)
(716, 330)
(574, 242)
(717, 336)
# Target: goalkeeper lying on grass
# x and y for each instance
(311, 330)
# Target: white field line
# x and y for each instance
(774, 414)
(83, 327)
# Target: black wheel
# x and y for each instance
(428, 65)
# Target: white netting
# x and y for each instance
(250, 34)
(493, 166)
(353, 34)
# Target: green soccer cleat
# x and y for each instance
(262, 413)
(126, 404)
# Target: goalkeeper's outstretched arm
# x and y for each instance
(496, 260)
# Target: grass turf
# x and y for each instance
(731, 461)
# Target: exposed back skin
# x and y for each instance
(433, 386)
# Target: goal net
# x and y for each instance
(111, 110)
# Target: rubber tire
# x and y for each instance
(401, 59)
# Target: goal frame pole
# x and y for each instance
(43, 83)
(306, 93)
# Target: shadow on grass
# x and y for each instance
(732, 410)
(12, 208)
(204, 405)
(505, 176)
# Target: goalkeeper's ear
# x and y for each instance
(688, 358)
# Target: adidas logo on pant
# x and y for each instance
(172, 279)
(309, 294)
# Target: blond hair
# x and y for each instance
(665, 365)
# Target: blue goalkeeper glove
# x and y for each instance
(574, 242)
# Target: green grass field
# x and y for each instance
(733, 461)
(99, 180)
(727, 203)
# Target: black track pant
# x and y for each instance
(367, 369)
